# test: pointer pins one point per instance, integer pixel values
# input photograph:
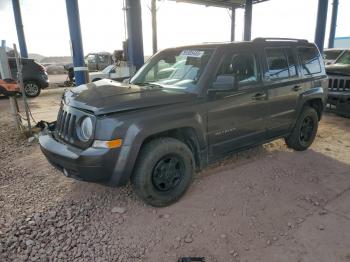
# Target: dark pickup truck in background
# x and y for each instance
(157, 129)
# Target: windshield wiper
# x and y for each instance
(149, 84)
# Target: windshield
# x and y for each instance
(180, 68)
(331, 54)
(107, 69)
(344, 59)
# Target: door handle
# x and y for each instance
(259, 96)
(297, 88)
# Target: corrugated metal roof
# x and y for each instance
(220, 3)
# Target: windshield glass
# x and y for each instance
(107, 69)
(344, 59)
(331, 54)
(180, 68)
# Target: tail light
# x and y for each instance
(41, 67)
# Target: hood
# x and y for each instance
(107, 96)
(338, 69)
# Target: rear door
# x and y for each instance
(281, 79)
(236, 118)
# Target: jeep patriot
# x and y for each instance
(186, 108)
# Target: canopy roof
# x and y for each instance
(220, 3)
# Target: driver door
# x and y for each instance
(237, 117)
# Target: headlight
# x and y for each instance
(86, 129)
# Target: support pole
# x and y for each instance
(135, 38)
(80, 69)
(233, 23)
(333, 24)
(321, 24)
(154, 26)
(248, 20)
(19, 28)
(6, 73)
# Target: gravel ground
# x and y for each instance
(265, 204)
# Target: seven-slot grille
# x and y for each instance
(338, 83)
(66, 124)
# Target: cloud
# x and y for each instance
(4, 4)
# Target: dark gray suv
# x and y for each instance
(159, 128)
(34, 76)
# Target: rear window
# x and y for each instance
(310, 60)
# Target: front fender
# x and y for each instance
(139, 131)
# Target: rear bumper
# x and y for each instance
(44, 83)
(91, 165)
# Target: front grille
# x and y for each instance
(66, 124)
(68, 120)
(339, 83)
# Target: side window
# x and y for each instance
(310, 61)
(102, 58)
(291, 62)
(91, 59)
(277, 63)
(240, 69)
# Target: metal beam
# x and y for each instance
(135, 38)
(80, 69)
(321, 23)
(19, 28)
(333, 24)
(248, 20)
(233, 23)
(154, 26)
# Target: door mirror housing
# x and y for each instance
(224, 83)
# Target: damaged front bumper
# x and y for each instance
(91, 164)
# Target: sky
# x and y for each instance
(102, 23)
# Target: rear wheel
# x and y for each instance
(31, 89)
(163, 171)
(305, 130)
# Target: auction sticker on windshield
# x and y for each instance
(192, 53)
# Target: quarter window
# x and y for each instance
(310, 62)
(277, 63)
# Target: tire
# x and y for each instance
(304, 131)
(31, 89)
(151, 179)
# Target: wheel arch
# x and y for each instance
(317, 104)
(188, 136)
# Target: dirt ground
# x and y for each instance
(265, 204)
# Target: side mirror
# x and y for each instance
(224, 83)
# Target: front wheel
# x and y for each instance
(163, 171)
(31, 89)
(305, 130)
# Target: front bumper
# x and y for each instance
(92, 165)
(341, 101)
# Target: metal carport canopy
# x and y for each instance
(220, 3)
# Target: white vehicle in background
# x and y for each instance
(115, 72)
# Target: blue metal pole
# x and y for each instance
(321, 23)
(333, 24)
(233, 23)
(80, 69)
(248, 20)
(19, 28)
(135, 38)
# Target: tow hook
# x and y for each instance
(65, 172)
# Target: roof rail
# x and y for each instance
(266, 39)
